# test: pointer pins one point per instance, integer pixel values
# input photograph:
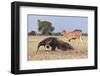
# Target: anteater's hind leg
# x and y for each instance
(53, 48)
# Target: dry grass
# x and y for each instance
(80, 49)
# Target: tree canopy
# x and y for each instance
(45, 27)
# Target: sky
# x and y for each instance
(60, 23)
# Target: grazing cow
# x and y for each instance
(54, 43)
(76, 34)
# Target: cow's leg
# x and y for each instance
(69, 40)
(80, 38)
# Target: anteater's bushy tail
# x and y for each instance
(64, 45)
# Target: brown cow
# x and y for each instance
(76, 34)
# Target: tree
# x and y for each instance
(45, 27)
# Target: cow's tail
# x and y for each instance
(81, 35)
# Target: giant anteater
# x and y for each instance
(54, 43)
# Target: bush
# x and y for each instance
(32, 33)
(84, 34)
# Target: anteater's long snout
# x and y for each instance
(40, 44)
(38, 47)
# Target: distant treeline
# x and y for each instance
(33, 33)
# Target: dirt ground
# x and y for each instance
(80, 49)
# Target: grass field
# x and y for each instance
(80, 49)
